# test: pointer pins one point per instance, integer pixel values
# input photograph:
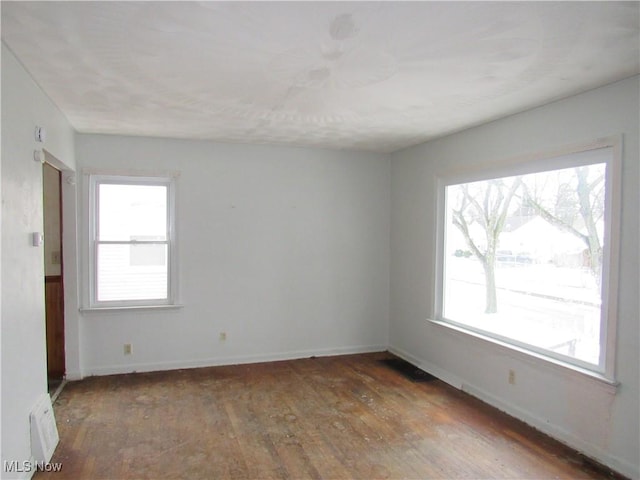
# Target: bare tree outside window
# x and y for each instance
(524, 258)
(485, 204)
(577, 207)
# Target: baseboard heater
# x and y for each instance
(44, 432)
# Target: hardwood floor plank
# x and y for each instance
(318, 418)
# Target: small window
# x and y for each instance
(526, 257)
(132, 244)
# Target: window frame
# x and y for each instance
(94, 181)
(556, 159)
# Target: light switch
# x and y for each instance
(36, 239)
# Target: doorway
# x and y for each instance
(53, 279)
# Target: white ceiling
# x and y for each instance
(374, 76)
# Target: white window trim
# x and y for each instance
(91, 180)
(547, 160)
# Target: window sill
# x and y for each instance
(174, 306)
(534, 358)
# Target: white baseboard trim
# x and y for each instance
(560, 434)
(428, 367)
(556, 432)
(233, 360)
(73, 376)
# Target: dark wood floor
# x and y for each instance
(334, 418)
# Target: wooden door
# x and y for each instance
(54, 298)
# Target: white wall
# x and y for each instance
(581, 412)
(24, 374)
(284, 249)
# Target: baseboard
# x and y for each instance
(237, 360)
(556, 432)
(560, 434)
(438, 372)
(73, 376)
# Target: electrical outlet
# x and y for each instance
(512, 377)
(128, 349)
(223, 336)
(55, 258)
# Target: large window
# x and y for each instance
(132, 242)
(526, 257)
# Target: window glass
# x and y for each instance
(127, 211)
(523, 259)
(121, 277)
(131, 241)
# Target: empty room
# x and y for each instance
(320, 240)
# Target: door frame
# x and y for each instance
(52, 337)
(72, 317)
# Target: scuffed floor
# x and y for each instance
(337, 417)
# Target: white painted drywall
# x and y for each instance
(24, 369)
(577, 411)
(284, 249)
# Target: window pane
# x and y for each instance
(132, 272)
(523, 258)
(147, 254)
(127, 212)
